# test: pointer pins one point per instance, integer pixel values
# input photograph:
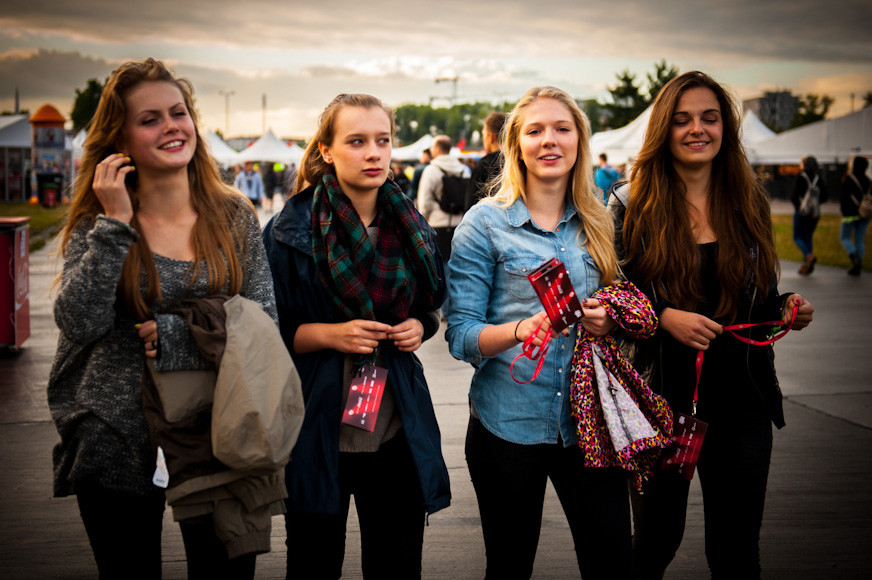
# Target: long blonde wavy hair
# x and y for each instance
(597, 231)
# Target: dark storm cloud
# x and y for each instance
(799, 29)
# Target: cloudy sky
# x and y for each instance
(301, 54)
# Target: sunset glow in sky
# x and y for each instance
(301, 54)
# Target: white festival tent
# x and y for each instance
(412, 152)
(830, 141)
(754, 131)
(223, 153)
(623, 144)
(272, 149)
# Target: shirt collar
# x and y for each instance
(518, 214)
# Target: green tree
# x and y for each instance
(627, 100)
(663, 73)
(596, 112)
(85, 104)
(459, 121)
(811, 108)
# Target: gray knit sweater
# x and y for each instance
(94, 387)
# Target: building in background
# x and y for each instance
(775, 109)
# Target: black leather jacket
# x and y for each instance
(668, 376)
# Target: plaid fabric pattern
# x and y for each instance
(372, 283)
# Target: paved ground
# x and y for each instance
(818, 521)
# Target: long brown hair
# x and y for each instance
(215, 202)
(657, 228)
(597, 226)
(313, 166)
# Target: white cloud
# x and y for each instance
(301, 55)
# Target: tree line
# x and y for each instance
(461, 121)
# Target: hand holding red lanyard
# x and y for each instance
(784, 325)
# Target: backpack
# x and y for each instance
(453, 200)
(864, 205)
(810, 205)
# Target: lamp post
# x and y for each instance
(226, 110)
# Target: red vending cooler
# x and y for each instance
(14, 281)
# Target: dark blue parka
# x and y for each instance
(312, 475)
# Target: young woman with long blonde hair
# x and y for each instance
(521, 435)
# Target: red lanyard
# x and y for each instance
(531, 353)
(732, 330)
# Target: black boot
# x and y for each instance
(857, 265)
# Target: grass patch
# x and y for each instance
(827, 247)
(44, 222)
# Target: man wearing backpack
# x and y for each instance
(436, 193)
(442, 194)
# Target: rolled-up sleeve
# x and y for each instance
(470, 282)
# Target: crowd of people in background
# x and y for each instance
(362, 263)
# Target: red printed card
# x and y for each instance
(681, 457)
(552, 285)
(364, 398)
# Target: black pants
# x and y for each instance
(390, 509)
(207, 556)
(124, 531)
(510, 480)
(733, 470)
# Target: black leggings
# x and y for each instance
(207, 556)
(510, 480)
(733, 470)
(390, 509)
(124, 531)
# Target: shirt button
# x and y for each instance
(562, 249)
(560, 371)
(559, 394)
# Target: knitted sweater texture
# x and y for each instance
(94, 389)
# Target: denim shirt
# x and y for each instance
(493, 250)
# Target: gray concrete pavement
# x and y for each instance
(818, 521)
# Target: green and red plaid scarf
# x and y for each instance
(366, 282)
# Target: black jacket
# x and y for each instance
(312, 476)
(674, 379)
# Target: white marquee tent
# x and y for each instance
(412, 152)
(623, 144)
(754, 131)
(270, 148)
(15, 131)
(830, 141)
(223, 153)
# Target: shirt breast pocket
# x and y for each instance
(516, 269)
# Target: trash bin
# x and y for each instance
(14, 281)
(49, 187)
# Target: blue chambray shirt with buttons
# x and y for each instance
(493, 250)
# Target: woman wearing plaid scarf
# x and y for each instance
(359, 282)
